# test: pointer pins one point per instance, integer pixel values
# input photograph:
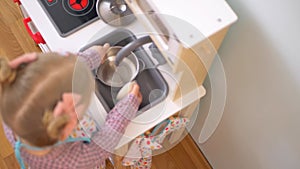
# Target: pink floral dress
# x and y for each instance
(139, 155)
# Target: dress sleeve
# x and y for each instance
(91, 57)
(82, 155)
(110, 134)
(9, 134)
(116, 123)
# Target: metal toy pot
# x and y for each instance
(117, 76)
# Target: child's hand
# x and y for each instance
(26, 58)
(135, 90)
(101, 50)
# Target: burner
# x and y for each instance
(78, 5)
(70, 15)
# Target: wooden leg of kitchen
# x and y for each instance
(187, 113)
(118, 157)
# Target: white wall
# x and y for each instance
(260, 128)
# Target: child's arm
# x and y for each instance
(117, 121)
(93, 56)
(82, 155)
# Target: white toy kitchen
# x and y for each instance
(186, 35)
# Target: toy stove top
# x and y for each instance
(70, 15)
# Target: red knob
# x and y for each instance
(17, 1)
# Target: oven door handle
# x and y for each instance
(37, 37)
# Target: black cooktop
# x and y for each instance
(70, 15)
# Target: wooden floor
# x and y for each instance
(16, 41)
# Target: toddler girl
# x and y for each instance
(42, 98)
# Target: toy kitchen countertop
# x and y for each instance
(212, 17)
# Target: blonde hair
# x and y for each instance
(30, 93)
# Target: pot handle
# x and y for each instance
(126, 50)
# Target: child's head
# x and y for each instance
(30, 93)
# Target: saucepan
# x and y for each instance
(121, 64)
(117, 76)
